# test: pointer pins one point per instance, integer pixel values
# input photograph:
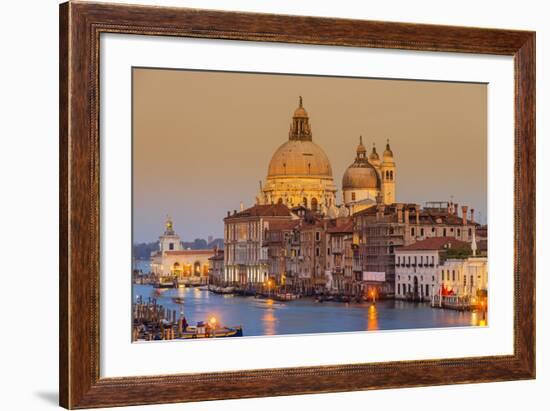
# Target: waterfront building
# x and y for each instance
(278, 238)
(439, 268)
(340, 255)
(312, 255)
(299, 172)
(174, 262)
(382, 229)
(417, 267)
(245, 254)
(216, 273)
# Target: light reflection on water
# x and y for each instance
(269, 317)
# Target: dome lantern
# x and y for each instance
(361, 150)
(299, 128)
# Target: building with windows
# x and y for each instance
(278, 238)
(380, 230)
(340, 255)
(417, 267)
(216, 273)
(245, 252)
(441, 268)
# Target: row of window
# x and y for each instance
(408, 260)
(445, 232)
(451, 274)
(422, 290)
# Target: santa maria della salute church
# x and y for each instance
(300, 174)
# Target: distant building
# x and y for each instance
(171, 260)
(216, 273)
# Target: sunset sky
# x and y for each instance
(202, 141)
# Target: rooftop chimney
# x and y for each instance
(472, 215)
(464, 215)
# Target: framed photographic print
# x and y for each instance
(261, 205)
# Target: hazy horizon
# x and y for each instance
(202, 140)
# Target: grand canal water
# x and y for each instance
(305, 316)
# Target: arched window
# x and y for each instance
(197, 268)
(305, 201)
(353, 196)
(280, 201)
(314, 204)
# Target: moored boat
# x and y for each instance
(209, 330)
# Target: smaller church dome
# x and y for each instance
(361, 174)
(360, 177)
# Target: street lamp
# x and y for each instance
(373, 294)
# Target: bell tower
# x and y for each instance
(169, 240)
(387, 171)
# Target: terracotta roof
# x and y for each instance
(434, 243)
(426, 216)
(190, 252)
(341, 225)
(266, 210)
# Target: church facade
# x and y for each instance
(172, 261)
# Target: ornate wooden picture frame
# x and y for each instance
(80, 27)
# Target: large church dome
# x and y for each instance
(299, 158)
(299, 173)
